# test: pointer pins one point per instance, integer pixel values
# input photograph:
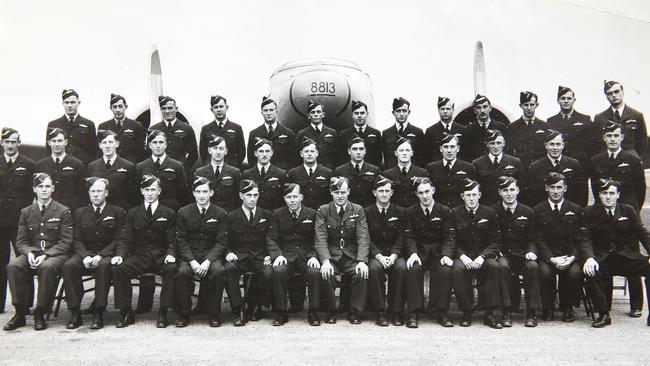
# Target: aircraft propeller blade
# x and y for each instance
(480, 85)
(155, 87)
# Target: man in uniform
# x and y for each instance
(449, 173)
(43, 245)
(430, 242)
(222, 127)
(402, 129)
(66, 171)
(477, 131)
(371, 136)
(574, 126)
(518, 253)
(360, 173)
(201, 244)
(223, 177)
(283, 139)
(612, 246)
(80, 131)
(495, 164)
(312, 177)
(267, 177)
(130, 133)
(118, 171)
(525, 136)
(325, 137)
(402, 173)
(290, 243)
(181, 140)
(16, 172)
(557, 236)
(434, 134)
(97, 229)
(631, 120)
(342, 244)
(246, 230)
(147, 244)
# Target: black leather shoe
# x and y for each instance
(75, 321)
(602, 321)
(281, 318)
(489, 320)
(256, 313)
(531, 322)
(412, 320)
(312, 318)
(353, 317)
(466, 321)
(443, 320)
(239, 318)
(548, 315)
(568, 316)
(98, 321)
(214, 321)
(17, 321)
(398, 320)
(126, 320)
(330, 318)
(162, 320)
(183, 321)
(506, 320)
(381, 319)
(39, 321)
(636, 313)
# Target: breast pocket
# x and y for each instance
(168, 174)
(108, 225)
(226, 182)
(129, 135)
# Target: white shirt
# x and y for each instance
(498, 157)
(59, 157)
(449, 163)
(559, 205)
(313, 168)
(11, 159)
(248, 212)
(112, 160)
(153, 205)
(206, 207)
(620, 109)
(424, 208)
(101, 208)
(274, 125)
(615, 153)
(405, 124)
(512, 209)
(170, 124)
(160, 158)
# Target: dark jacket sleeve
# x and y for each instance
(182, 247)
(272, 237)
(410, 244)
(64, 245)
(122, 248)
(494, 246)
(218, 251)
(363, 237)
(586, 248)
(171, 236)
(78, 246)
(449, 242)
(320, 234)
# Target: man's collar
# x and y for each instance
(447, 162)
(247, 211)
(615, 153)
(101, 208)
(339, 207)
(119, 122)
(172, 123)
(112, 160)
(260, 166)
(58, 157)
(313, 168)
(274, 125)
(74, 118)
(620, 108)
(429, 207)
(513, 208)
(355, 163)
(492, 157)
(13, 158)
(206, 207)
(220, 166)
(160, 158)
(400, 166)
(567, 115)
(154, 205)
(559, 204)
(382, 208)
(46, 204)
(405, 124)
(552, 160)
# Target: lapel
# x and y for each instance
(154, 216)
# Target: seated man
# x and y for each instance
(342, 244)
(97, 229)
(43, 245)
(147, 244)
(611, 247)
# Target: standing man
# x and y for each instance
(574, 126)
(525, 136)
(557, 237)
(97, 230)
(402, 173)
(402, 129)
(268, 178)
(181, 144)
(80, 131)
(201, 243)
(371, 136)
(325, 137)
(430, 241)
(434, 134)
(631, 120)
(223, 177)
(147, 244)
(222, 127)
(360, 173)
(282, 138)
(16, 172)
(449, 173)
(477, 131)
(129, 133)
(66, 171)
(312, 177)
(43, 245)
(342, 244)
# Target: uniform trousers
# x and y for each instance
(72, 271)
(568, 287)
(359, 286)
(7, 239)
(615, 264)
(530, 271)
(490, 285)
(212, 285)
(397, 276)
(260, 291)
(282, 278)
(440, 285)
(21, 279)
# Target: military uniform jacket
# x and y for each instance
(387, 233)
(201, 237)
(82, 138)
(389, 140)
(578, 134)
(487, 175)
(627, 169)
(433, 137)
(97, 235)
(234, 136)
(360, 183)
(557, 234)
(576, 180)
(526, 142)
(284, 146)
(245, 239)
(449, 184)
(473, 145)
(143, 234)
(479, 235)
(15, 188)
(517, 230)
(121, 178)
(315, 189)
(327, 143)
(131, 137)
(402, 185)
(181, 142)
(620, 235)
(49, 234)
(270, 185)
(226, 187)
(636, 135)
(291, 239)
(68, 178)
(372, 139)
(434, 235)
(173, 180)
(336, 236)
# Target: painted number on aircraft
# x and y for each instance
(323, 88)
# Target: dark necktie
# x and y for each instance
(317, 130)
(360, 132)
(10, 164)
(611, 215)
(262, 172)
(448, 167)
(400, 130)
(98, 212)
(341, 212)
(270, 131)
(294, 216)
(427, 212)
(169, 127)
(156, 164)
(556, 163)
(203, 212)
(556, 209)
(404, 171)
(509, 211)
(311, 172)
(43, 210)
(611, 157)
(108, 165)
(57, 161)
(565, 116)
(383, 213)
(471, 214)
(618, 116)
(357, 169)
(217, 172)
(221, 125)
(149, 211)
(250, 217)
(447, 129)
(72, 119)
(496, 163)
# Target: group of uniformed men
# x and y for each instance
(511, 202)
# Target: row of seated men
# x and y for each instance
(201, 241)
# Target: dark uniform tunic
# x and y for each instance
(314, 188)
(372, 140)
(181, 142)
(391, 135)
(403, 194)
(131, 136)
(487, 174)
(526, 142)
(270, 185)
(284, 146)
(234, 136)
(68, 178)
(449, 182)
(433, 138)
(570, 168)
(625, 168)
(360, 182)
(578, 131)
(634, 128)
(226, 185)
(121, 177)
(327, 143)
(82, 137)
(473, 145)
(173, 180)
